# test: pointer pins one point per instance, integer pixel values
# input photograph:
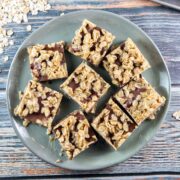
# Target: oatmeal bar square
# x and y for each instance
(85, 87)
(74, 134)
(38, 104)
(91, 42)
(140, 99)
(124, 62)
(113, 125)
(47, 61)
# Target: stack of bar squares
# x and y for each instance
(135, 101)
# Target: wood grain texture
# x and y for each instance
(162, 154)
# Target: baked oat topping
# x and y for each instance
(140, 99)
(124, 62)
(91, 42)
(38, 104)
(113, 125)
(85, 87)
(47, 61)
(74, 134)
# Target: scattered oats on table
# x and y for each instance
(16, 11)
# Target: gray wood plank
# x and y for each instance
(160, 155)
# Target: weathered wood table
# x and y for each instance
(161, 157)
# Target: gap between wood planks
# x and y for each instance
(125, 176)
(103, 4)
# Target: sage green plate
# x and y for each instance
(99, 155)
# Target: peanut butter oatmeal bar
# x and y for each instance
(125, 62)
(74, 134)
(91, 42)
(113, 125)
(85, 87)
(38, 104)
(47, 61)
(140, 99)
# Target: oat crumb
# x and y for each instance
(58, 161)
(1, 50)
(5, 59)
(28, 28)
(176, 115)
(62, 14)
(10, 32)
(11, 42)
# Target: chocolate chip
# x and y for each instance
(93, 48)
(138, 91)
(135, 93)
(102, 51)
(44, 61)
(38, 55)
(122, 46)
(40, 103)
(57, 47)
(94, 93)
(35, 116)
(79, 116)
(73, 85)
(108, 107)
(110, 135)
(99, 29)
(37, 66)
(50, 58)
(118, 62)
(32, 66)
(82, 37)
(128, 103)
(89, 98)
(131, 126)
(59, 129)
(91, 134)
(102, 86)
(100, 120)
(71, 137)
(88, 28)
(43, 78)
(75, 125)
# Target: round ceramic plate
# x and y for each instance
(99, 155)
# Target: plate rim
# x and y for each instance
(49, 22)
